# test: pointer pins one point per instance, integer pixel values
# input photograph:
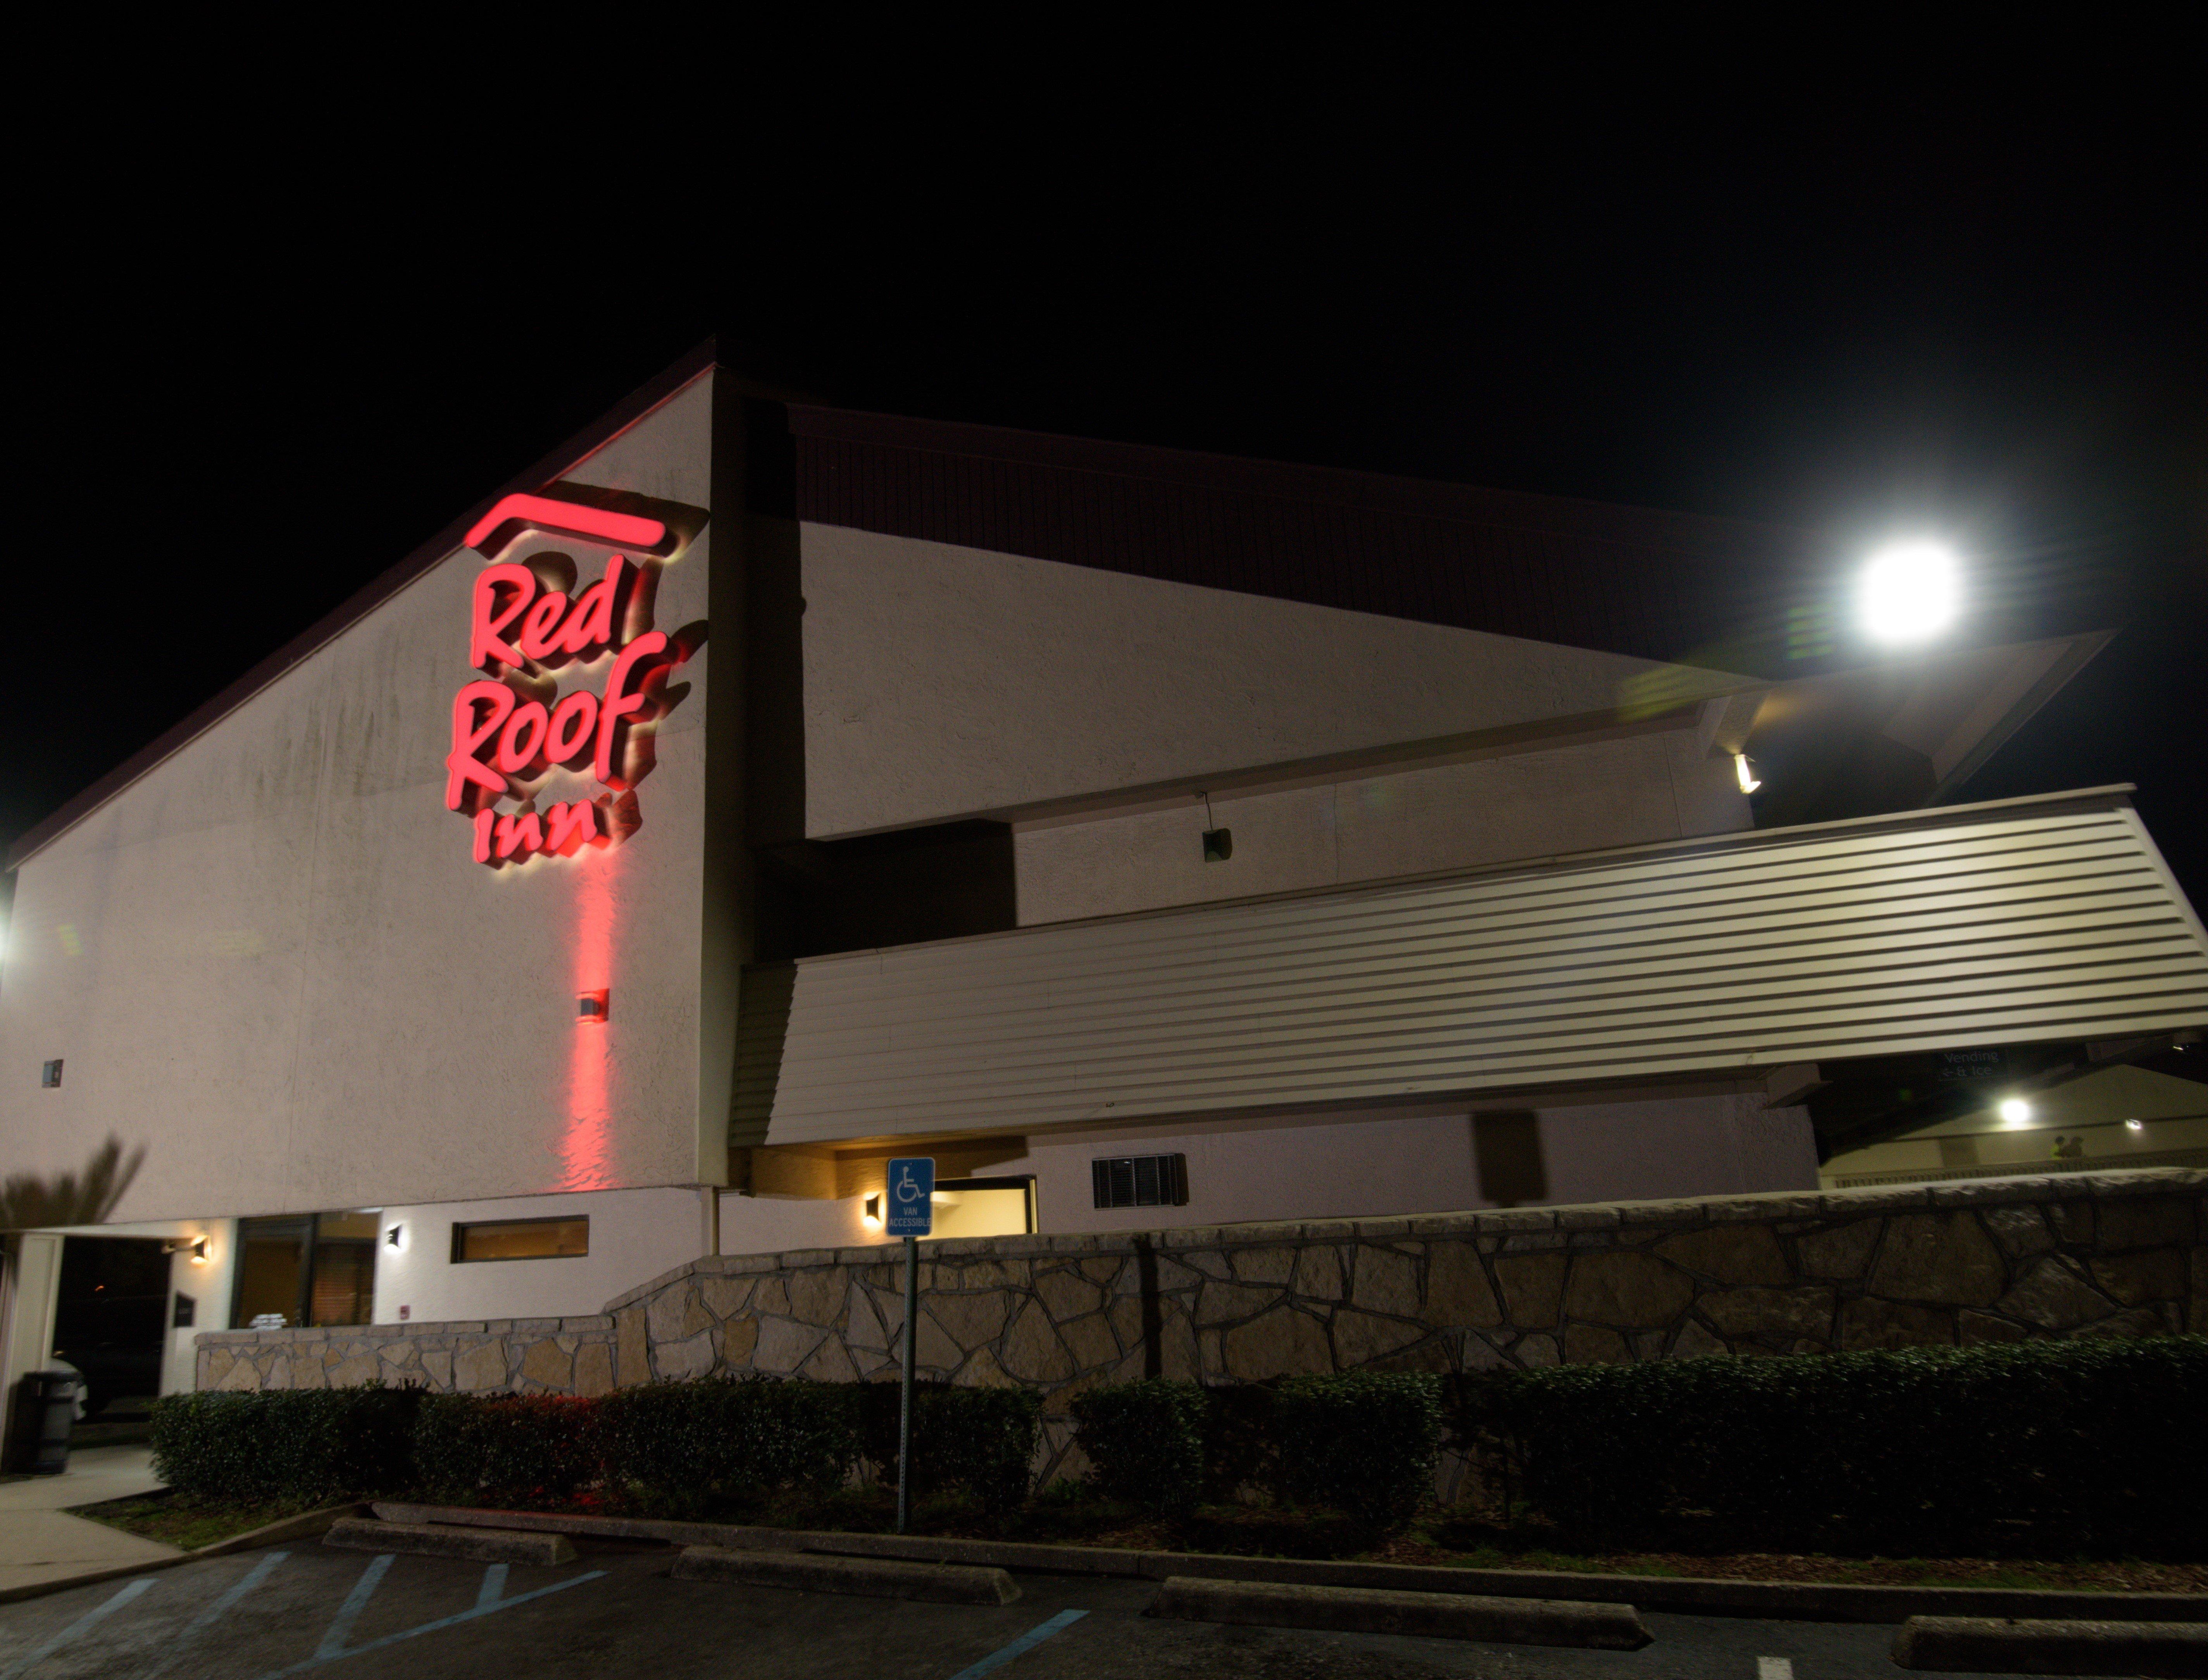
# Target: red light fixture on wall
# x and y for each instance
(590, 1009)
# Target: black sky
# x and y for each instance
(1968, 303)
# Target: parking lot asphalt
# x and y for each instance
(617, 1612)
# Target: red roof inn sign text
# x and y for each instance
(511, 727)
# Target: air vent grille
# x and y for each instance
(1141, 1181)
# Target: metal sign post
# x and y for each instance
(910, 1210)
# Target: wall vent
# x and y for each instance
(1141, 1181)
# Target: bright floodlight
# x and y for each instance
(2016, 1111)
(1909, 591)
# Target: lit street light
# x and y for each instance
(1909, 591)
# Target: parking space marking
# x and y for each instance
(90, 1619)
(486, 1605)
(1774, 1668)
(207, 1618)
(1026, 1643)
(333, 1640)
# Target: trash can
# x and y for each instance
(49, 1410)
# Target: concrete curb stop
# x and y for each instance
(1784, 1600)
(437, 1540)
(1364, 1610)
(862, 1577)
(1991, 1644)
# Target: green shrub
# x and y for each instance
(1362, 1441)
(515, 1451)
(981, 1440)
(295, 1446)
(681, 1445)
(1145, 1439)
(2092, 1443)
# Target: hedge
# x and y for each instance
(2091, 1443)
(981, 1440)
(1363, 1442)
(299, 1446)
(1146, 1441)
(664, 1447)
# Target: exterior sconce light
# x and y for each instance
(1218, 842)
(873, 1214)
(2015, 1111)
(1746, 771)
(591, 1008)
(199, 1246)
(396, 1237)
(2134, 1126)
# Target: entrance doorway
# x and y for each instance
(110, 1320)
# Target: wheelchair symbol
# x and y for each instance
(907, 1188)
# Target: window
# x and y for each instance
(1141, 1181)
(984, 1207)
(522, 1239)
(311, 1268)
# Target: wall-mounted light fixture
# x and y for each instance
(2014, 1110)
(1218, 842)
(591, 1008)
(396, 1237)
(2134, 1126)
(195, 1246)
(1746, 771)
(873, 1214)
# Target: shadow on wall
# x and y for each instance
(30, 1203)
(1506, 1158)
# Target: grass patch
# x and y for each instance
(188, 1523)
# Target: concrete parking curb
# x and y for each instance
(861, 1577)
(1991, 1644)
(1799, 1601)
(1364, 1609)
(438, 1539)
(307, 1526)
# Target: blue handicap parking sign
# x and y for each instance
(911, 1201)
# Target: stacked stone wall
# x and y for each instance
(2087, 1254)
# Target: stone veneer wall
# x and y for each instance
(2085, 1254)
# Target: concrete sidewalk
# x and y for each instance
(39, 1541)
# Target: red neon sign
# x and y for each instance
(508, 731)
(568, 519)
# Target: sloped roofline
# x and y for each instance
(1698, 534)
(625, 414)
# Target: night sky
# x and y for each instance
(265, 364)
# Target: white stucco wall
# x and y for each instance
(273, 961)
(1361, 1166)
(941, 681)
(1580, 798)
(635, 1235)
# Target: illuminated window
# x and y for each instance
(522, 1239)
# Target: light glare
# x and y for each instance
(2015, 1111)
(1909, 591)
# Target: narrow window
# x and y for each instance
(1141, 1181)
(522, 1239)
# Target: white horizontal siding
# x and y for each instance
(2022, 921)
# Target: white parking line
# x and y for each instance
(1774, 1668)
(90, 1618)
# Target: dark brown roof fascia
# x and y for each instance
(1696, 534)
(592, 438)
